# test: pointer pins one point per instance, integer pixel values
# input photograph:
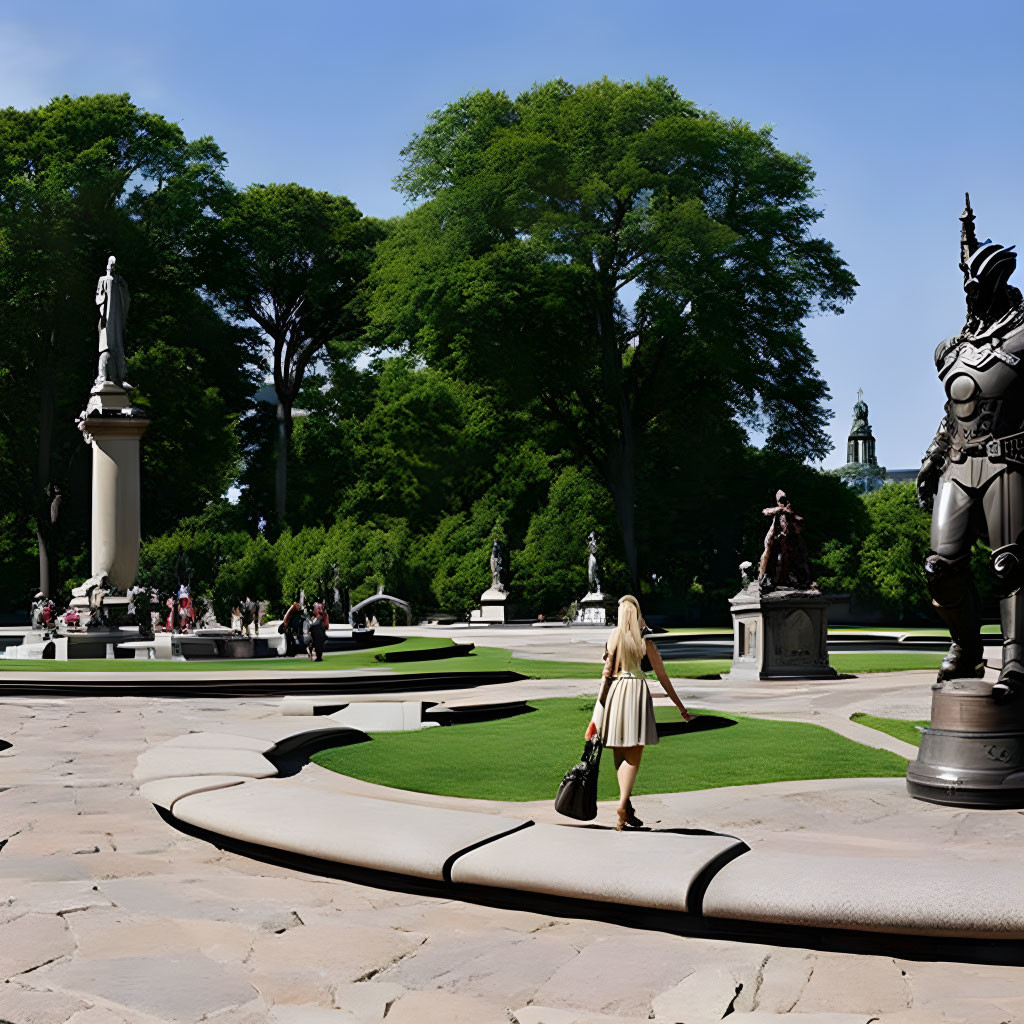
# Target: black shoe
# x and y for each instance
(631, 819)
(962, 663)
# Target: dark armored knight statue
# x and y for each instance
(974, 469)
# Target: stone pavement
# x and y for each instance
(110, 916)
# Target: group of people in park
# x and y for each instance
(305, 629)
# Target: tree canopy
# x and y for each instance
(625, 260)
(80, 179)
(293, 262)
(599, 293)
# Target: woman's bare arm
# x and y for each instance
(597, 720)
(659, 670)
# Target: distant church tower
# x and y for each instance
(860, 446)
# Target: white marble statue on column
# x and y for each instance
(593, 579)
(112, 299)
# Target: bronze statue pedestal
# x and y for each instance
(972, 755)
(780, 635)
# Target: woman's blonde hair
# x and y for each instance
(626, 643)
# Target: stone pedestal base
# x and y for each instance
(492, 608)
(115, 612)
(71, 646)
(112, 427)
(972, 755)
(596, 610)
(780, 635)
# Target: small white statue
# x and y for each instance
(112, 299)
(593, 579)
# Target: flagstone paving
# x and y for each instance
(108, 915)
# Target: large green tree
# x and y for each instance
(632, 263)
(79, 179)
(293, 263)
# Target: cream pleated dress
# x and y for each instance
(628, 712)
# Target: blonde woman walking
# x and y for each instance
(624, 712)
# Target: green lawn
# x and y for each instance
(937, 630)
(349, 659)
(525, 757)
(727, 630)
(884, 661)
(483, 659)
(900, 728)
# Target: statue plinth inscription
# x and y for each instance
(780, 620)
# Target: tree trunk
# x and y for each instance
(284, 431)
(44, 526)
(44, 563)
(622, 485)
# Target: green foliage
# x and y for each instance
(293, 262)
(882, 561)
(513, 391)
(539, 211)
(81, 178)
(551, 569)
(252, 572)
(17, 562)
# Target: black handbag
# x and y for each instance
(577, 795)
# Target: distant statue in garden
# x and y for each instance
(36, 613)
(112, 299)
(249, 616)
(499, 561)
(974, 468)
(784, 562)
(593, 578)
(98, 618)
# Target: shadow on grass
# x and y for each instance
(484, 714)
(700, 723)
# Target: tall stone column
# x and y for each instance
(113, 427)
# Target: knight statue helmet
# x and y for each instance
(988, 270)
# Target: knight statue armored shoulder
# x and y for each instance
(973, 471)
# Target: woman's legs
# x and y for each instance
(627, 763)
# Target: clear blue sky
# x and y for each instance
(900, 105)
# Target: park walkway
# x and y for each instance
(110, 916)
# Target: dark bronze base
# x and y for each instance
(972, 755)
